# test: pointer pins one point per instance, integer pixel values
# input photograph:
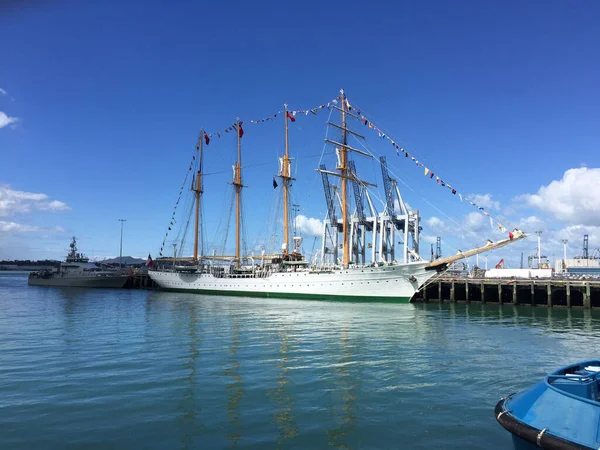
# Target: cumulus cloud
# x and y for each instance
(308, 226)
(7, 120)
(14, 227)
(14, 202)
(436, 225)
(476, 221)
(485, 200)
(573, 199)
(531, 224)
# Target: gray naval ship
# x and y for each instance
(78, 271)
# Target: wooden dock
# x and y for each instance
(140, 281)
(549, 293)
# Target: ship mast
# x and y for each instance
(237, 182)
(284, 174)
(198, 192)
(343, 168)
(344, 172)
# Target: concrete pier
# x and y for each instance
(549, 293)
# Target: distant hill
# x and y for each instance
(127, 260)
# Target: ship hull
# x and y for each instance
(87, 282)
(396, 283)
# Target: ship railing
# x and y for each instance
(257, 274)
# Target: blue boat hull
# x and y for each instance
(525, 437)
(561, 412)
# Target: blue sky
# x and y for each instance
(102, 102)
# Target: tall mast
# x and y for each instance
(344, 175)
(238, 198)
(198, 192)
(285, 176)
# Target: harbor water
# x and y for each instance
(122, 369)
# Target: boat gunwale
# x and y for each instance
(539, 438)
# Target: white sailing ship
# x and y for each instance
(78, 271)
(365, 255)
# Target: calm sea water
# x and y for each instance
(125, 369)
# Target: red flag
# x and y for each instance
(240, 130)
(149, 262)
(292, 118)
(206, 139)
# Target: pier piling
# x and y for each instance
(587, 297)
(551, 293)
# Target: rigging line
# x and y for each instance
(326, 136)
(270, 226)
(504, 219)
(187, 214)
(413, 190)
(228, 222)
(229, 170)
(202, 230)
(243, 230)
(267, 230)
(187, 174)
(445, 241)
(183, 230)
(221, 244)
(368, 150)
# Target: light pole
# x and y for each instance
(539, 233)
(564, 264)
(121, 248)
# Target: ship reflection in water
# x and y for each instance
(235, 390)
(190, 407)
(281, 396)
(342, 396)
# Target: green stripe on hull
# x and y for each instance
(292, 296)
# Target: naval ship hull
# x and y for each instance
(109, 281)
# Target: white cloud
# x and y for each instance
(9, 207)
(437, 226)
(551, 241)
(427, 239)
(3, 92)
(531, 224)
(308, 226)
(476, 221)
(7, 120)
(14, 202)
(14, 227)
(54, 205)
(485, 200)
(574, 199)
